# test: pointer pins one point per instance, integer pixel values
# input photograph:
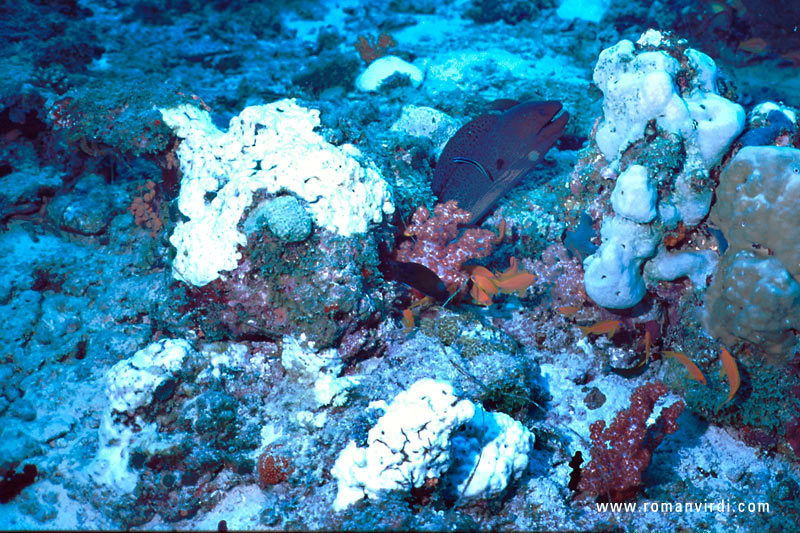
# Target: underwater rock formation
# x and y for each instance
(257, 263)
(755, 295)
(267, 148)
(664, 127)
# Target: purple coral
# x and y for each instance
(563, 274)
(436, 243)
(622, 452)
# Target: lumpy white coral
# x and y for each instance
(657, 87)
(273, 148)
(428, 433)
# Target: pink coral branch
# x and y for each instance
(437, 245)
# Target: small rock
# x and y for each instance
(594, 399)
(52, 427)
(24, 410)
(89, 209)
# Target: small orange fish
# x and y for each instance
(756, 45)
(605, 327)
(408, 320)
(647, 343)
(732, 371)
(480, 296)
(568, 310)
(694, 372)
(513, 280)
(483, 285)
(501, 232)
(477, 270)
(513, 268)
(517, 283)
(486, 285)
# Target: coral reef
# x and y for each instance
(438, 244)
(168, 384)
(326, 286)
(271, 148)
(563, 276)
(509, 11)
(145, 209)
(664, 127)
(206, 227)
(284, 216)
(273, 468)
(383, 70)
(427, 436)
(369, 51)
(427, 122)
(755, 295)
(622, 452)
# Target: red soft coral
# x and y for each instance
(436, 243)
(622, 452)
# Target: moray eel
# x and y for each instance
(493, 152)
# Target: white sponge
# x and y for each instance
(427, 433)
(656, 86)
(612, 275)
(132, 382)
(634, 197)
(384, 68)
(272, 148)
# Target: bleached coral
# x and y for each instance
(491, 451)
(304, 363)
(384, 68)
(427, 433)
(640, 85)
(132, 382)
(697, 266)
(634, 196)
(612, 275)
(318, 367)
(269, 148)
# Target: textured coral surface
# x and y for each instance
(202, 216)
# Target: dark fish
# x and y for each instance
(578, 242)
(412, 275)
(500, 149)
(502, 104)
(474, 163)
(628, 372)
